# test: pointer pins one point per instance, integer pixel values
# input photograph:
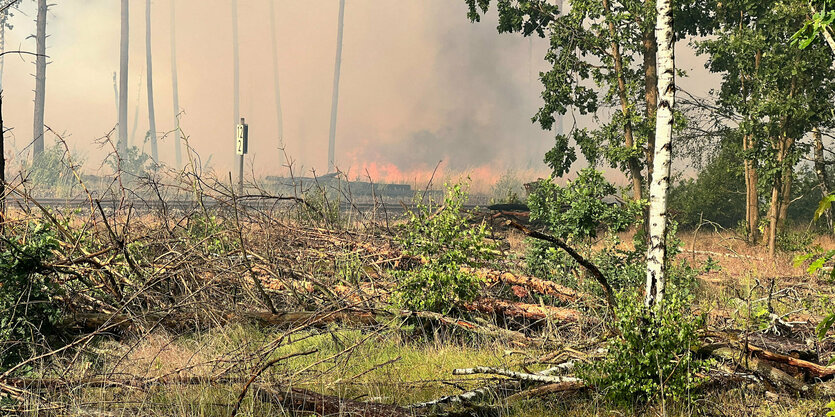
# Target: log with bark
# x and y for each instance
(522, 310)
(534, 284)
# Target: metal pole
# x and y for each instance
(241, 169)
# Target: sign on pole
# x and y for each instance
(242, 142)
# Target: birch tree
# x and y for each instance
(40, 80)
(659, 188)
(122, 144)
(152, 123)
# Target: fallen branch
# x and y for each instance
(595, 272)
(482, 329)
(523, 310)
(547, 379)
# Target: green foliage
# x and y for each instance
(133, 162)
(821, 21)
(208, 231)
(716, 194)
(653, 355)
(577, 212)
(448, 242)
(795, 241)
(506, 189)
(51, 169)
(322, 207)
(27, 309)
(819, 259)
(831, 407)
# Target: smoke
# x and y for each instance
(419, 84)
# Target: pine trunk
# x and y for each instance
(122, 144)
(236, 93)
(659, 187)
(152, 123)
(178, 156)
(278, 115)
(40, 80)
(335, 99)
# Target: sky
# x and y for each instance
(420, 84)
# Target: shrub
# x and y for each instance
(506, 190)
(448, 242)
(27, 309)
(653, 354)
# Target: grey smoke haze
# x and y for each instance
(419, 83)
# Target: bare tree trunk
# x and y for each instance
(785, 193)
(659, 187)
(152, 123)
(629, 140)
(773, 213)
(40, 80)
(122, 144)
(4, 17)
(178, 156)
(335, 100)
(278, 114)
(236, 91)
(820, 171)
(752, 201)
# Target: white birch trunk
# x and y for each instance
(40, 80)
(152, 123)
(278, 115)
(335, 100)
(178, 156)
(122, 144)
(656, 252)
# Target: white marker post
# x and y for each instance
(241, 147)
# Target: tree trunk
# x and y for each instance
(820, 171)
(650, 88)
(752, 201)
(773, 213)
(236, 91)
(278, 115)
(335, 99)
(659, 187)
(152, 123)
(785, 193)
(4, 17)
(178, 156)
(629, 140)
(40, 80)
(122, 144)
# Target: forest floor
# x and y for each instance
(164, 315)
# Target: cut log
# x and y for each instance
(811, 368)
(306, 401)
(523, 310)
(760, 367)
(534, 284)
(521, 376)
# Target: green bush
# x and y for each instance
(653, 356)
(28, 312)
(577, 211)
(442, 235)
